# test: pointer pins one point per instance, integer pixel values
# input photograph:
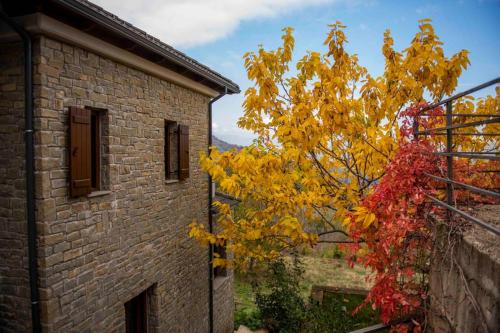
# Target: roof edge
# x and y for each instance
(127, 30)
(42, 24)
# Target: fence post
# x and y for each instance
(449, 150)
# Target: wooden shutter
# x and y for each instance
(80, 151)
(183, 152)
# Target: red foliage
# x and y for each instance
(397, 246)
(479, 174)
(396, 243)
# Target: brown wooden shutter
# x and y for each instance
(183, 152)
(80, 151)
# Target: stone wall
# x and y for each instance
(465, 279)
(224, 304)
(223, 285)
(97, 253)
(15, 315)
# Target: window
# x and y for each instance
(220, 252)
(136, 314)
(171, 150)
(176, 151)
(85, 150)
(95, 150)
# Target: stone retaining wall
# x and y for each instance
(465, 279)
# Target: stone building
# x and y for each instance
(94, 222)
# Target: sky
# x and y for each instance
(218, 32)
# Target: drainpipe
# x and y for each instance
(29, 165)
(210, 222)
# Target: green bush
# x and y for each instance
(280, 304)
(334, 315)
(337, 252)
(248, 317)
(331, 252)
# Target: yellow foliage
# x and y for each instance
(326, 131)
(364, 216)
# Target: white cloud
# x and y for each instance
(195, 22)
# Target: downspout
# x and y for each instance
(29, 165)
(210, 222)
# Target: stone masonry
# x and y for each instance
(224, 303)
(98, 252)
(14, 280)
(465, 278)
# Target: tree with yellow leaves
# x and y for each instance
(326, 130)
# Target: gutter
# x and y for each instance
(210, 222)
(30, 171)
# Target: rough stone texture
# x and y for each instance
(15, 313)
(472, 281)
(100, 252)
(97, 253)
(223, 285)
(224, 304)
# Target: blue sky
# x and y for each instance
(219, 32)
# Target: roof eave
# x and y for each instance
(196, 68)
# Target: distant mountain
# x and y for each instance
(223, 145)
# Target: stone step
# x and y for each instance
(244, 329)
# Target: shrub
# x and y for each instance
(282, 309)
(249, 317)
(331, 252)
(334, 315)
(281, 306)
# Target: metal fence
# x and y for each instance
(450, 132)
(450, 154)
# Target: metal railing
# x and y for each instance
(372, 328)
(450, 154)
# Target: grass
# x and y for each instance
(332, 272)
(246, 312)
(244, 297)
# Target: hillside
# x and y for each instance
(223, 145)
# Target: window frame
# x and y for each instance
(171, 175)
